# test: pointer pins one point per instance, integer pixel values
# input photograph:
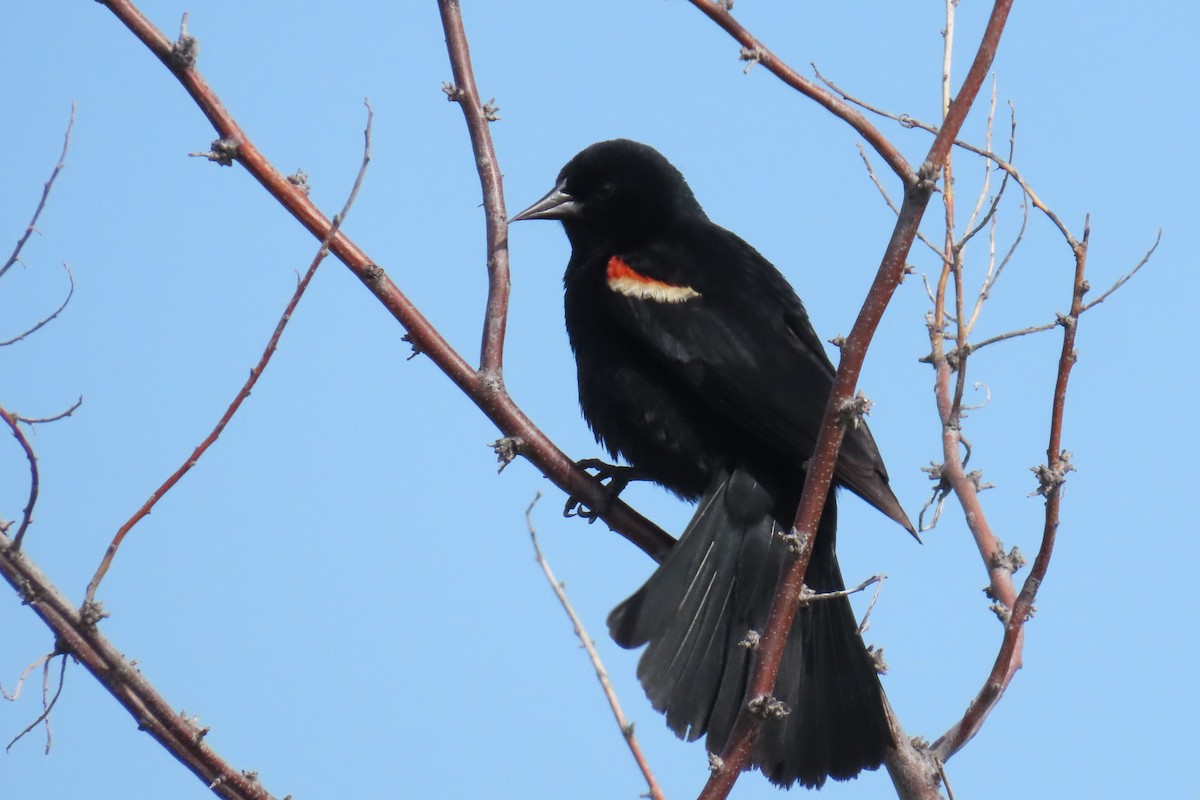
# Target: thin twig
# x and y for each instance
(887, 199)
(808, 598)
(27, 513)
(16, 693)
(55, 418)
(37, 212)
(972, 227)
(589, 646)
(989, 282)
(48, 704)
(255, 373)
(911, 122)
(994, 269)
(1122, 280)
(975, 347)
(972, 348)
(46, 320)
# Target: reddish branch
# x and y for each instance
(485, 388)
(77, 635)
(75, 630)
(247, 387)
(1051, 476)
(478, 116)
(13, 420)
(480, 386)
(918, 187)
(754, 50)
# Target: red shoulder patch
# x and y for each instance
(624, 279)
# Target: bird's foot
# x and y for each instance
(613, 478)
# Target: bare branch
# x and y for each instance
(16, 693)
(37, 212)
(971, 348)
(887, 199)
(75, 634)
(484, 389)
(819, 475)
(589, 646)
(31, 457)
(756, 52)
(971, 227)
(54, 418)
(994, 269)
(1008, 660)
(255, 373)
(48, 704)
(478, 115)
(46, 320)
(1124, 278)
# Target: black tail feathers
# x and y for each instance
(695, 613)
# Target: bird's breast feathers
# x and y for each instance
(625, 280)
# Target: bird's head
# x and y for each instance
(618, 189)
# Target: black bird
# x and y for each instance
(698, 365)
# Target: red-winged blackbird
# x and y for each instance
(698, 365)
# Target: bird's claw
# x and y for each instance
(613, 478)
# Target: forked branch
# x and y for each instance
(482, 386)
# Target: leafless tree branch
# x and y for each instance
(1052, 476)
(76, 635)
(37, 212)
(27, 513)
(755, 51)
(589, 646)
(919, 187)
(46, 320)
(478, 115)
(481, 387)
(48, 704)
(255, 374)
(55, 418)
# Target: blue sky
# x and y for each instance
(344, 589)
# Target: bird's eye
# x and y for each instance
(605, 190)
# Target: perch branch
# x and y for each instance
(488, 394)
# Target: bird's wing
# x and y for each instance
(743, 344)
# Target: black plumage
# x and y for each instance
(698, 365)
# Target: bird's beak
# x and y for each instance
(555, 205)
